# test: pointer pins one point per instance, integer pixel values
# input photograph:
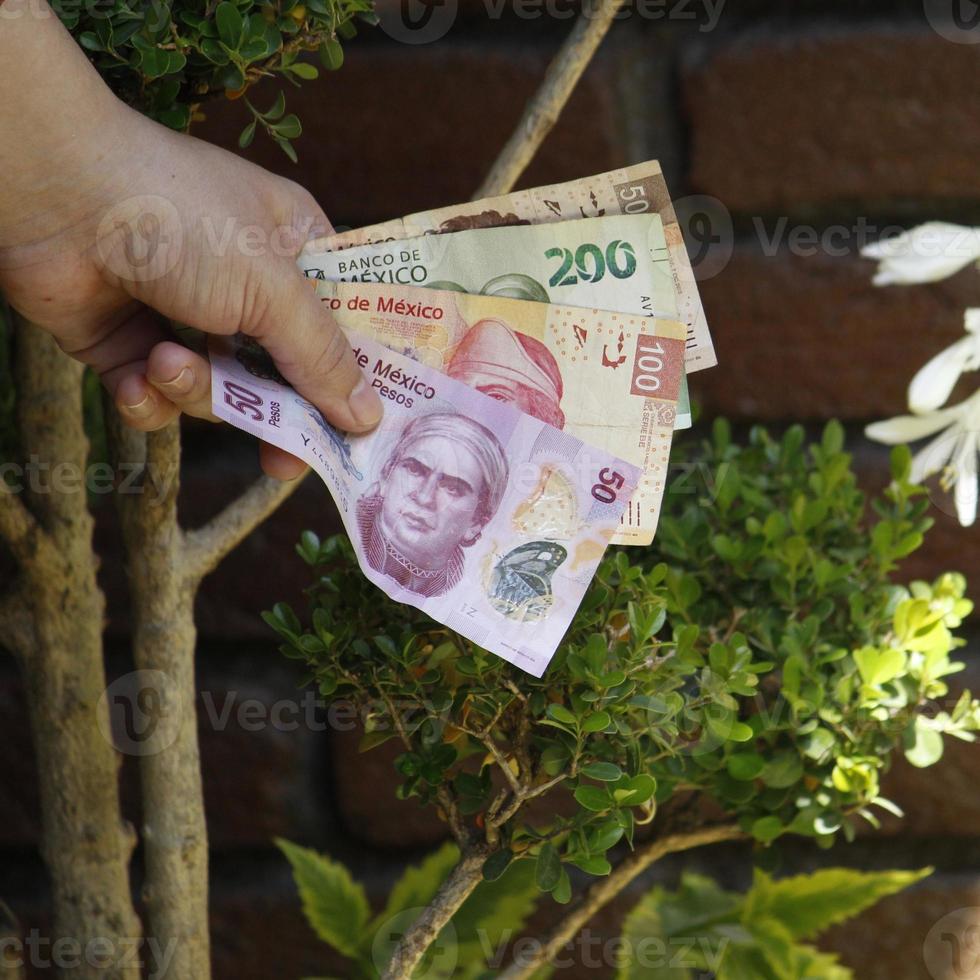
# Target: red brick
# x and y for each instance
(401, 128)
(780, 122)
(808, 337)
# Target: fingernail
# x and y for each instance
(141, 409)
(364, 404)
(181, 384)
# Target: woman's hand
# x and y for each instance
(110, 224)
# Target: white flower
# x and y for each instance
(953, 453)
(934, 382)
(927, 253)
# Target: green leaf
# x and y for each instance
(923, 745)
(231, 26)
(606, 772)
(880, 666)
(808, 904)
(246, 137)
(548, 870)
(767, 829)
(418, 885)
(497, 864)
(635, 791)
(663, 920)
(334, 904)
(305, 71)
(562, 892)
(288, 149)
(596, 722)
(289, 127)
(745, 765)
(813, 964)
(592, 798)
(592, 865)
(561, 714)
(332, 54)
(496, 909)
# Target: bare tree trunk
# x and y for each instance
(165, 568)
(54, 625)
(174, 830)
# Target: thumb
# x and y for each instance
(282, 312)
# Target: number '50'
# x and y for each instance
(609, 482)
(591, 264)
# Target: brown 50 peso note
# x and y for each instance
(639, 189)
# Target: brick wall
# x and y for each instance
(800, 119)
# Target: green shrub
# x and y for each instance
(758, 658)
(166, 59)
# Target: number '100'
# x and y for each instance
(591, 264)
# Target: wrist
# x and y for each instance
(61, 127)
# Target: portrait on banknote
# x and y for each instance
(511, 367)
(440, 485)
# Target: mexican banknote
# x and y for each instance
(639, 189)
(490, 520)
(609, 379)
(618, 263)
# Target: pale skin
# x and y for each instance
(111, 224)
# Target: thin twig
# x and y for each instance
(545, 107)
(208, 545)
(604, 890)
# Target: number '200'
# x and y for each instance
(591, 264)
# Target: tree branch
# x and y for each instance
(86, 845)
(425, 930)
(208, 545)
(164, 640)
(604, 890)
(545, 107)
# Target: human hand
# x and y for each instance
(131, 224)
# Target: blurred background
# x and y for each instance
(791, 133)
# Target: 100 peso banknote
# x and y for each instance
(617, 263)
(489, 520)
(609, 379)
(640, 189)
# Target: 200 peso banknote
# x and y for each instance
(640, 189)
(488, 519)
(609, 379)
(617, 263)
